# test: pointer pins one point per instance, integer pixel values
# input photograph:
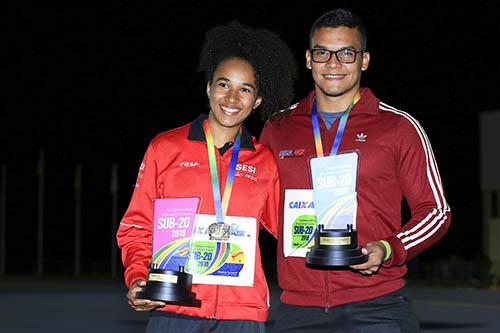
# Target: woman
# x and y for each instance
(245, 69)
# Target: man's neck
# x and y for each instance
(332, 104)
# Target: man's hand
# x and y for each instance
(141, 304)
(376, 253)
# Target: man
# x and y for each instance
(395, 160)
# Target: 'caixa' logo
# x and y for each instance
(301, 204)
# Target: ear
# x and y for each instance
(208, 90)
(257, 102)
(366, 61)
(308, 59)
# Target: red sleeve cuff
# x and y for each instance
(131, 278)
(398, 255)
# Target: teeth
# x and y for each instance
(229, 110)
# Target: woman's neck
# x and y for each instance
(221, 134)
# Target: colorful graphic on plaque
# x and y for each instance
(339, 213)
(174, 220)
(173, 254)
(217, 258)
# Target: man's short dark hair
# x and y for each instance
(340, 18)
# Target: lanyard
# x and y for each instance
(340, 130)
(221, 209)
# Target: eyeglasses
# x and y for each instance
(345, 56)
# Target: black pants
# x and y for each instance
(170, 322)
(390, 313)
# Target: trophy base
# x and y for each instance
(169, 286)
(325, 257)
(335, 248)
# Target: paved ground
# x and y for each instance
(95, 306)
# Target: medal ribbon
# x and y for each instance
(221, 209)
(340, 130)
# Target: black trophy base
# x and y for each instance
(335, 248)
(323, 257)
(169, 286)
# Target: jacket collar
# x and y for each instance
(368, 104)
(196, 133)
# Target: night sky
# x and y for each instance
(93, 83)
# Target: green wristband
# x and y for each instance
(388, 250)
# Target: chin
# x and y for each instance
(232, 121)
(232, 125)
(334, 92)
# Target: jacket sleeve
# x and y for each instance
(134, 234)
(270, 213)
(421, 186)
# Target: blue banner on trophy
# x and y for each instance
(334, 184)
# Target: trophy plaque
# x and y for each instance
(174, 220)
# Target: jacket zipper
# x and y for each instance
(327, 304)
(216, 301)
(335, 124)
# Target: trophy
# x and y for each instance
(335, 205)
(173, 226)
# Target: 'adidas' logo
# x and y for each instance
(361, 137)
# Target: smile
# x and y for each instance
(229, 110)
(333, 76)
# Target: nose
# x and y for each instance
(333, 62)
(232, 96)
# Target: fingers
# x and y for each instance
(367, 268)
(134, 288)
(139, 304)
(375, 259)
(145, 305)
(370, 270)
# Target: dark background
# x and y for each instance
(93, 82)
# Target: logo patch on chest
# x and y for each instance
(361, 137)
(246, 171)
(290, 153)
(189, 164)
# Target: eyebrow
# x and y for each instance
(243, 83)
(319, 46)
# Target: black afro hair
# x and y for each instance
(272, 61)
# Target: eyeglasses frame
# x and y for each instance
(336, 56)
